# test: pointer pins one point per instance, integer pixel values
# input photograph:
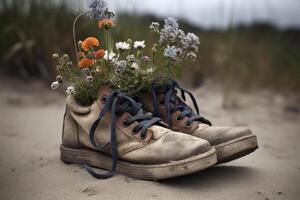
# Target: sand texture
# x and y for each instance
(30, 167)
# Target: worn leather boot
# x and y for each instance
(230, 142)
(115, 134)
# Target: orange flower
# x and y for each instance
(100, 53)
(106, 23)
(85, 62)
(88, 42)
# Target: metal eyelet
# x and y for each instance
(143, 137)
(125, 124)
(188, 124)
(104, 98)
(179, 118)
(134, 132)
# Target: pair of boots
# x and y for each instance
(117, 134)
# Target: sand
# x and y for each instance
(30, 167)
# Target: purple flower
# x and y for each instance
(191, 42)
(98, 9)
(170, 30)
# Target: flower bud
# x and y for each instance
(70, 90)
(55, 56)
(79, 44)
(145, 59)
(59, 78)
(65, 56)
(54, 85)
(58, 67)
(88, 79)
(129, 41)
(154, 49)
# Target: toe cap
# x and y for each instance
(218, 135)
(171, 146)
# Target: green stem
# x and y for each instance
(137, 90)
(153, 59)
(74, 32)
(169, 69)
(69, 74)
(107, 42)
(107, 50)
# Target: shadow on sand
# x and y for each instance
(215, 176)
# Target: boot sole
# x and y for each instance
(237, 148)
(141, 171)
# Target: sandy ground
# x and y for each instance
(30, 167)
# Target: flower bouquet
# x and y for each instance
(122, 65)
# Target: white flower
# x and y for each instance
(111, 55)
(170, 52)
(139, 44)
(121, 46)
(120, 66)
(89, 79)
(86, 71)
(70, 90)
(191, 42)
(150, 70)
(135, 66)
(130, 58)
(59, 78)
(192, 56)
(154, 27)
(54, 85)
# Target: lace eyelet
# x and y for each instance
(143, 137)
(103, 100)
(125, 124)
(179, 118)
(188, 124)
(134, 132)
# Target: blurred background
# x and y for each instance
(247, 74)
(244, 44)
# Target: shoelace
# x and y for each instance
(173, 103)
(119, 103)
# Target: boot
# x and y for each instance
(138, 144)
(230, 142)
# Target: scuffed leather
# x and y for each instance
(213, 134)
(218, 135)
(170, 146)
(160, 146)
(70, 131)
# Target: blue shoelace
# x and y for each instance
(118, 103)
(173, 103)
